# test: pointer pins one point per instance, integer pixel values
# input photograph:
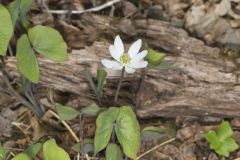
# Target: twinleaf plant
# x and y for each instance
(43, 40)
(221, 140)
(35, 39)
(69, 113)
(122, 122)
(32, 42)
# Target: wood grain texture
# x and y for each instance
(204, 82)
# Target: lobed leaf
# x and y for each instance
(154, 58)
(33, 150)
(22, 156)
(91, 110)
(66, 112)
(6, 29)
(89, 77)
(113, 152)
(26, 59)
(153, 133)
(221, 140)
(48, 42)
(104, 127)
(101, 77)
(24, 8)
(87, 146)
(52, 151)
(14, 10)
(166, 64)
(128, 131)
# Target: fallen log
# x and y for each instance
(205, 83)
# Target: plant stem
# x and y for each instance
(119, 86)
(139, 90)
(81, 122)
(13, 92)
(113, 137)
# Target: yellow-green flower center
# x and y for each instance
(125, 59)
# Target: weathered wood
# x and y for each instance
(204, 83)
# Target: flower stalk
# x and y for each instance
(119, 86)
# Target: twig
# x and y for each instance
(119, 86)
(15, 149)
(66, 125)
(87, 157)
(95, 9)
(154, 148)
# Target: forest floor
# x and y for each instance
(209, 25)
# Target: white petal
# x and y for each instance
(112, 64)
(135, 47)
(119, 44)
(139, 56)
(114, 52)
(117, 67)
(141, 64)
(129, 69)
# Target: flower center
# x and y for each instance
(125, 59)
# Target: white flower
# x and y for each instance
(131, 60)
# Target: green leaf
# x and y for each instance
(101, 77)
(221, 140)
(229, 146)
(76, 147)
(66, 112)
(224, 131)
(14, 9)
(104, 124)
(153, 129)
(166, 64)
(21, 156)
(26, 59)
(153, 133)
(24, 8)
(48, 42)
(154, 58)
(3, 153)
(6, 29)
(91, 110)
(52, 151)
(33, 150)
(89, 77)
(87, 146)
(113, 152)
(128, 131)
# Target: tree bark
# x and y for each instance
(204, 82)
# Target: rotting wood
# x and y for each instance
(204, 83)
